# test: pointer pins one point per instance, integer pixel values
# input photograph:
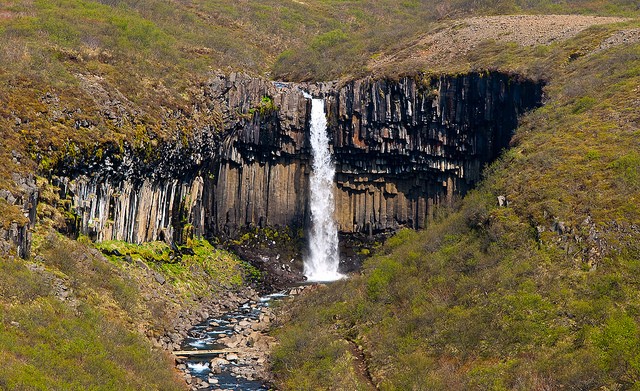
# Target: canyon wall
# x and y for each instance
(260, 174)
(401, 147)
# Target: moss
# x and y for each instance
(364, 251)
(11, 214)
(265, 107)
(219, 267)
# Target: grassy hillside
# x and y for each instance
(68, 329)
(80, 74)
(540, 294)
(72, 318)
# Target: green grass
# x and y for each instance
(47, 344)
(95, 337)
(218, 269)
(541, 294)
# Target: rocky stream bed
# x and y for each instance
(230, 351)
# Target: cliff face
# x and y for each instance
(401, 147)
(404, 146)
(259, 176)
(17, 234)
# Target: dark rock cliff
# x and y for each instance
(259, 177)
(401, 147)
(17, 234)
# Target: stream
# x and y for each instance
(239, 334)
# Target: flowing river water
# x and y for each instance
(231, 370)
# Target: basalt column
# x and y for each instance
(404, 146)
(260, 175)
(400, 148)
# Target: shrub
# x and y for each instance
(619, 344)
(627, 169)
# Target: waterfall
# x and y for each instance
(323, 260)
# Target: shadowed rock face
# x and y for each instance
(401, 148)
(404, 146)
(18, 236)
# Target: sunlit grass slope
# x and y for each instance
(72, 318)
(540, 294)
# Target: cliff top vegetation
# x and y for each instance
(96, 72)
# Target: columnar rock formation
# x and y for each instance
(404, 146)
(259, 176)
(137, 211)
(401, 147)
(17, 235)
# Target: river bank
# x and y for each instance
(231, 350)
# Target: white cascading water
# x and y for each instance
(323, 260)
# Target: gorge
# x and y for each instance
(467, 171)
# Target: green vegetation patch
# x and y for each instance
(50, 340)
(71, 319)
(540, 294)
(265, 107)
(216, 268)
(47, 345)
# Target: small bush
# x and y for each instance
(628, 171)
(583, 104)
(19, 283)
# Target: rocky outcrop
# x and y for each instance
(401, 147)
(260, 173)
(249, 169)
(137, 211)
(16, 234)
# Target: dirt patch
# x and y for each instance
(7, 15)
(526, 30)
(461, 36)
(360, 366)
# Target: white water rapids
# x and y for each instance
(323, 260)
